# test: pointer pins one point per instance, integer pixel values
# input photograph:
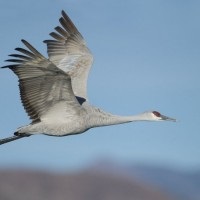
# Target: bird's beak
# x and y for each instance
(163, 117)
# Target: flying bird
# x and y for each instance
(54, 91)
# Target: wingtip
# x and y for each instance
(11, 55)
(6, 66)
(8, 60)
(63, 12)
(24, 42)
(65, 16)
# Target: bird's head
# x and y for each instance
(156, 116)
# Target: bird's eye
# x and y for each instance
(157, 114)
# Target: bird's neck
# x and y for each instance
(102, 118)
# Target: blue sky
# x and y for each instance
(147, 57)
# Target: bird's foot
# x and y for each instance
(21, 134)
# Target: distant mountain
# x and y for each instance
(181, 185)
(104, 180)
(85, 185)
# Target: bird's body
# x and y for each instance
(54, 90)
(58, 123)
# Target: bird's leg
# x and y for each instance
(12, 138)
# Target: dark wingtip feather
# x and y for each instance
(56, 36)
(63, 12)
(18, 49)
(25, 43)
(50, 41)
(9, 66)
(14, 60)
(65, 16)
(46, 41)
(24, 51)
(20, 56)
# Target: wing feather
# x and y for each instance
(41, 83)
(69, 52)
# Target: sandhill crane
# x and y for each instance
(54, 91)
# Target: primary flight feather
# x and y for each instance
(54, 91)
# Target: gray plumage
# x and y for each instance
(54, 91)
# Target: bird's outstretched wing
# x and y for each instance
(41, 83)
(68, 51)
